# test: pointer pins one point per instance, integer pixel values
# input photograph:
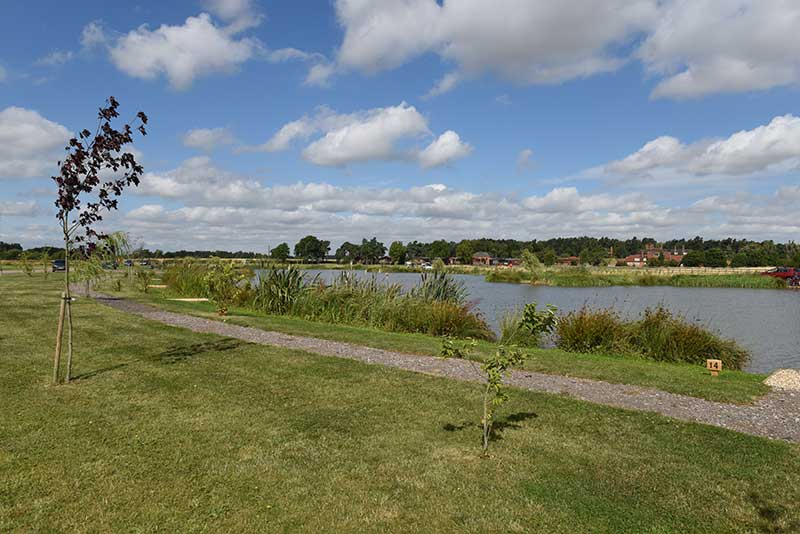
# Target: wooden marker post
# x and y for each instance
(59, 335)
(715, 366)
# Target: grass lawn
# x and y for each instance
(167, 430)
(730, 386)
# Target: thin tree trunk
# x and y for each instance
(59, 335)
(68, 298)
(486, 423)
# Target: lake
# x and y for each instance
(765, 321)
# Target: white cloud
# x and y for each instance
(240, 14)
(29, 144)
(529, 42)
(774, 146)
(57, 57)
(714, 46)
(93, 35)
(446, 148)
(182, 53)
(230, 211)
(524, 158)
(372, 135)
(319, 75)
(446, 84)
(376, 134)
(19, 209)
(208, 139)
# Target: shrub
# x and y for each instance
(440, 286)
(143, 279)
(278, 291)
(186, 278)
(587, 330)
(657, 335)
(222, 285)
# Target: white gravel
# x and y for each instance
(784, 379)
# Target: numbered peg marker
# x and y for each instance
(715, 366)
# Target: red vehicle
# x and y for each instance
(785, 273)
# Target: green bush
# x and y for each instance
(657, 335)
(440, 286)
(278, 290)
(186, 279)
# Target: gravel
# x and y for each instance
(775, 415)
(784, 379)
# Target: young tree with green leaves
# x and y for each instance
(492, 372)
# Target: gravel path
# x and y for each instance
(776, 415)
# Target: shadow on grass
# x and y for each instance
(186, 352)
(771, 516)
(510, 422)
(92, 374)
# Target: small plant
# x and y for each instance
(278, 290)
(116, 286)
(222, 285)
(539, 323)
(143, 279)
(27, 265)
(45, 261)
(492, 371)
(440, 286)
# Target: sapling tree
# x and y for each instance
(98, 167)
(539, 322)
(27, 265)
(222, 285)
(45, 260)
(492, 372)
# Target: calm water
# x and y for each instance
(765, 321)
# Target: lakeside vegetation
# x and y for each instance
(693, 380)
(233, 436)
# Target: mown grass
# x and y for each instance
(168, 430)
(693, 380)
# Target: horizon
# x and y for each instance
(517, 121)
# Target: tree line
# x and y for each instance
(587, 250)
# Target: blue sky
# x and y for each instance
(412, 119)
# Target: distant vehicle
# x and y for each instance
(427, 265)
(128, 263)
(144, 263)
(112, 265)
(784, 273)
(59, 265)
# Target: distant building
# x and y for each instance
(483, 258)
(568, 260)
(652, 252)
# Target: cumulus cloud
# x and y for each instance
(713, 46)
(774, 146)
(232, 211)
(182, 53)
(376, 134)
(696, 47)
(208, 139)
(529, 42)
(446, 148)
(29, 144)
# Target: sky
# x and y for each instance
(412, 119)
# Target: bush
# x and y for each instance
(513, 333)
(657, 335)
(186, 279)
(278, 290)
(440, 286)
(222, 285)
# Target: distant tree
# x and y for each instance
(439, 249)
(532, 265)
(280, 253)
(464, 251)
(372, 250)
(397, 251)
(312, 249)
(583, 257)
(549, 257)
(715, 258)
(91, 158)
(348, 252)
(694, 258)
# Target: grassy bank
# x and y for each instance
(693, 380)
(170, 430)
(587, 278)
